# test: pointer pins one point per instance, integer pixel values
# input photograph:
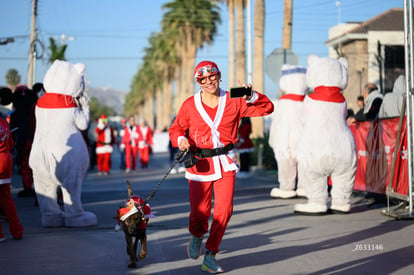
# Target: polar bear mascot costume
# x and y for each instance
(326, 147)
(59, 155)
(286, 128)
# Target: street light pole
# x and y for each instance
(32, 47)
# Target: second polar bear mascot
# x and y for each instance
(326, 147)
(286, 129)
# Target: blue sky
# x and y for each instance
(109, 36)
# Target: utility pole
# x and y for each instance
(287, 24)
(32, 47)
(249, 42)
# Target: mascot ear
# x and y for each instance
(344, 62)
(80, 68)
(312, 59)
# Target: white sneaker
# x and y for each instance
(310, 208)
(173, 171)
(181, 169)
(282, 194)
(340, 208)
(300, 192)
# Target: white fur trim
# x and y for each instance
(5, 181)
(253, 98)
(129, 213)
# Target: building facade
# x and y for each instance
(374, 49)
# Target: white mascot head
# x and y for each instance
(328, 72)
(65, 78)
(293, 80)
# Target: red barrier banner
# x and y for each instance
(375, 142)
(400, 178)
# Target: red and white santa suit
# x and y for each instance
(210, 128)
(6, 200)
(104, 149)
(286, 129)
(130, 141)
(144, 143)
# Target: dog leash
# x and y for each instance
(178, 159)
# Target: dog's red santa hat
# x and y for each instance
(130, 208)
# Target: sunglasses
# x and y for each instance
(203, 80)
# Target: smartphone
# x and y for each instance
(236, 92)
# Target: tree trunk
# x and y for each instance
(258, 63)
(167, 99)
(232, 61)
(159, 114)
(240, 45)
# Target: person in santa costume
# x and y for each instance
(144, 142)
(326, 148)
(104, 145)
(59, 155)
(121, 134)
(130, 142)
(286, 129)
(244, 147)
(207, 124)
(7, 205)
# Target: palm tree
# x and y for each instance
(56, 52)
(232, 59)
(196, 24)
(258, 63)
(166, 60)
(241, 40)
(12, 78)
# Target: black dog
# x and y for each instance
(133, 220)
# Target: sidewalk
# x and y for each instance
(264, 236)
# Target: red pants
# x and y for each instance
(131, 156)
(9, 209)
(144, 155)
(201, 203)
(103, 161)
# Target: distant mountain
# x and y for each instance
(109, 97)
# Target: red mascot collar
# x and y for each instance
(330, 94)
(54, 101)
(293, 97)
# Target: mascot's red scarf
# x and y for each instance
(292, 97)
(56, 101)
(330, 94)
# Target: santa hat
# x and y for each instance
(206, 68)
(124, 213)
(141, 203)
(293, 80)
(104, 118)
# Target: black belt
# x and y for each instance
(208, 153)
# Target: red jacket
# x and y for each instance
(130, 135)
(144, 136)
(6, 145)
(205, 133)
(105, 139)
